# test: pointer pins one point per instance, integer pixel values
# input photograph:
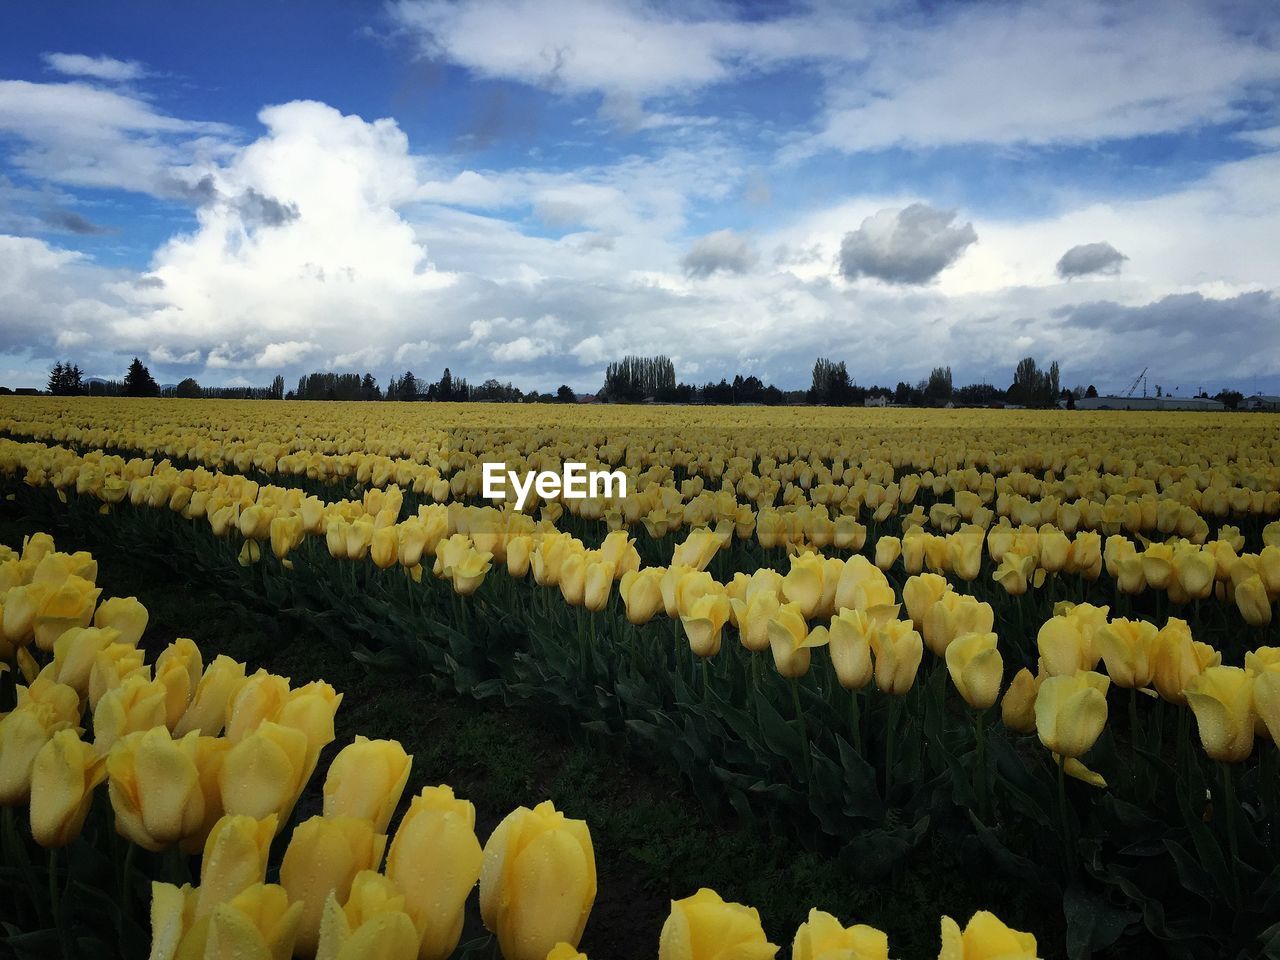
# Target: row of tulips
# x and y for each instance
(211, 760)
(1164, 477)
(874, 631)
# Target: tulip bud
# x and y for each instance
(641, 592)
(124, 614)
(178, 668)
(114, 664)
(791, 640)
(366, 780)
(323, 857)
(64, 607)
(207, 713)
(64, 775)
(234, 859)
(371, 926)
(440, 829)
(311, 709)
(976, 668)
(1222, 700)
(1018, 708)
(1071, 712)
(850, 647)
(265, 772)
(888, 549)
(23, 733)
(1253, 603)
(898, 650)
(154, 786)
(538, 881)
(255, 701)
(705, 927)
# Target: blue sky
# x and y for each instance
(526, 190)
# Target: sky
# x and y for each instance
(526, 190)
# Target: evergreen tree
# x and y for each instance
(138, 382)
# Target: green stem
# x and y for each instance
(981, 773)
(1233, 841)
(890, 738)
(804, 730)
(855, 721)
(1064, 812)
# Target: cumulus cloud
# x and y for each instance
(285, 353)
(723, 250)
(1087, 258)
(97, 68)
(909, 246)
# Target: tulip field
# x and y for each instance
(1040, 642)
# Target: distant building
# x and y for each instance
(1149, 403)
(876, 402)
(1260, 401)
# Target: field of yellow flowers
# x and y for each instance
(1041, 639)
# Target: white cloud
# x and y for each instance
(1037, 73)
(285, 354)
(82, 135)
(522, 349)
(97, 68)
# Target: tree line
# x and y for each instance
(633, 379)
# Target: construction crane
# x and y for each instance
(1139, 379)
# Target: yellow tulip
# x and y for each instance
(137, 704)
(371, 925)
(1127, 648)
(953, 615)
(66, 606)
(366, 780)
(323, 857)
(257, 700)
(76, 651)
(1018, 707)
(1253, 602)
(178, 668)
(438, 828)
(565, 951)
(64, 776)
(1014, 573)
(803, 585)
(697, 550)
(888, 549)
(311, 709)
(976, 668)
(1071, 711)
(753, 616)
(920, 593)
(705, 927)
(641, 592)
(705, 622)
(1266, 701)
(850, 647)
(985, 937)
(265, 772)
(823, 937)
(207, 713)
(112, 665)
(537, 882)
(124, 614)
(1222, 700)
(898, 650)
(23, 733)
(598, 585)
(234, 859)
(258, 922)
(1176, 659)
(154, 785)
(42, 688)
(791, 640)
